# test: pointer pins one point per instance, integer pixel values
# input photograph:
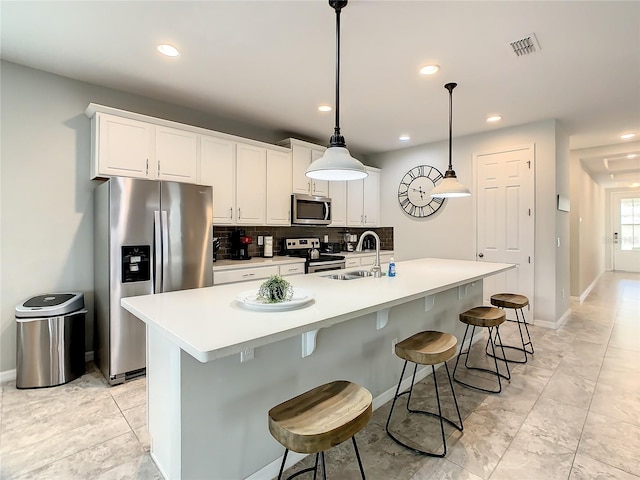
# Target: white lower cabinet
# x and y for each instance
(244, 274)
(291, 269)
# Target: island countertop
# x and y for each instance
(209, 324)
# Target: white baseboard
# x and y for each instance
(271, 470)
(7, 376)
(587, 291)
(553, 325)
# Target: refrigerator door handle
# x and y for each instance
(165, 251)
(157, 252)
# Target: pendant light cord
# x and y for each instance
(337, 140)
(337, 127)
(450, 87)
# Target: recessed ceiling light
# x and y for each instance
(429, 69)
(168, 50)
(325, 108)
(494, 118)
(404, 138)
(627, 136)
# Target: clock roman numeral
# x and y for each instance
(404, 202)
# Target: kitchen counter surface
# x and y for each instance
(209, 324)
(254, 262)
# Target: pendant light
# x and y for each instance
(450, 187)
(337, 163)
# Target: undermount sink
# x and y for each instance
(350, 275)
(361, 273)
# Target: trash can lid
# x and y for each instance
(50, 305)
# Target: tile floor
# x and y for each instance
(572, 413)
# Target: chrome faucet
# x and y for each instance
(377, 271)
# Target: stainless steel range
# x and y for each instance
(315, 261)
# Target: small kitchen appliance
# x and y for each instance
(315, 261)
(268, 247)
(240, 245)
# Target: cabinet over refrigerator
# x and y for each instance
(149, 237)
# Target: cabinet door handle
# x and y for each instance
(147, 168)
(248, 274)
(231, 213)
(308, 186)
(158, 168)
(239, 216)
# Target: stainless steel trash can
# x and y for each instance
(50, 340)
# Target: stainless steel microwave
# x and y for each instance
(310, 210)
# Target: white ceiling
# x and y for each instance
(271, 63)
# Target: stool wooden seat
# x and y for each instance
(517, 302)
(483, 317)
(320, 419)
(426, 348)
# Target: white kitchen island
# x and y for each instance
(207, 397)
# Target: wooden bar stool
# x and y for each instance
(483, 317)
(517, 302)
(320, 419)
(426, 348)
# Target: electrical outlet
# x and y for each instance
(246, 354)
(260, 240)
(558, 242)
(563, 293)
(393, 345)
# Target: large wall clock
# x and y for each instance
(415, 188)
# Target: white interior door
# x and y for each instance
(626, 228)
(505, 229)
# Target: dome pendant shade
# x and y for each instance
(337, 163)
(450, 187)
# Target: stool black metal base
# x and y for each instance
(522, 349)
(495, 372)
(314, 469)
(438, 415)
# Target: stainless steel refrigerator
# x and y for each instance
(149, 237)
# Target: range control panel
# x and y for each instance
(136, 263)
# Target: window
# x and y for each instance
(630, 224)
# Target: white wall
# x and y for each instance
(450, 233)
(563, 225)
(46, 197)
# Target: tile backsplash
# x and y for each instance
(335, 236)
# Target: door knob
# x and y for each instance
(481, 255)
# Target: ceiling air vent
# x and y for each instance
(526, 45)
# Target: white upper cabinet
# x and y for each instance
(338, 194)
(120, 147)
(303, 154)
(371, 198)
(131, 148)
(218, 169)
(278, 188)
(251, 184)
(363, 200)
(176, 155)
